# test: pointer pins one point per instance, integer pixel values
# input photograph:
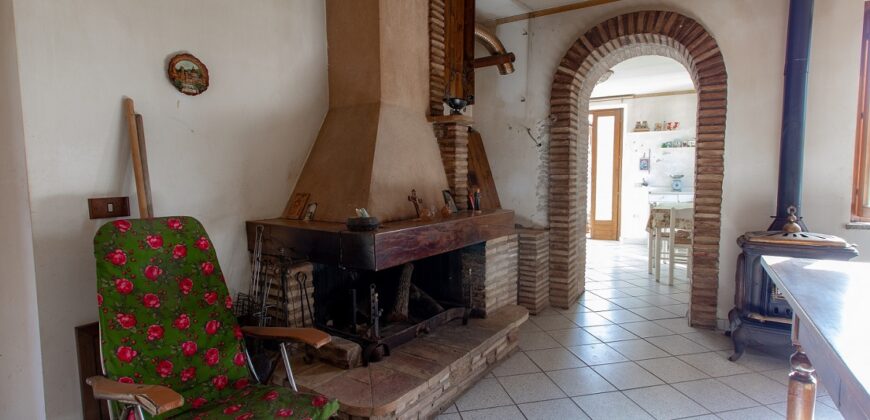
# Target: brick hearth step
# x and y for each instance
(422, 377)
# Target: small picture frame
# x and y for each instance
(644, 164)
(309, 212)
(448, 201)
(296, 208)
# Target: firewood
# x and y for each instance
(400, 309)
(425, 303)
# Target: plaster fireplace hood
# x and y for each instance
(375, 146)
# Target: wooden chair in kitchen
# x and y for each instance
(171, 346)
(670, 228)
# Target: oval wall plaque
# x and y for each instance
(188, 74)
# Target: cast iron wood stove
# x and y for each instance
(760, 315)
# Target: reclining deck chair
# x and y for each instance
(171, 347)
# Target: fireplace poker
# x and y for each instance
(375, 313)
(354, 308)
(304, 299)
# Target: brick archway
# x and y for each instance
(608, 43)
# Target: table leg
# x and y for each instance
(801, 387)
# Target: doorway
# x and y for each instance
(605, 157)
(587, 60)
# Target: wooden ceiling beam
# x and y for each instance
(550, 11)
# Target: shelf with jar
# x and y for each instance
(644, 127)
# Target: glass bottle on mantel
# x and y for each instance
(477, 199)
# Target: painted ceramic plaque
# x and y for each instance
(188, 74)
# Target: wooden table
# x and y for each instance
(831, 329)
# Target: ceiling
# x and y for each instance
(496, 9)
(644, 75)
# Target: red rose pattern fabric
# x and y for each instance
(166, 318)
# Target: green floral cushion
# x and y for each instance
(166, 318)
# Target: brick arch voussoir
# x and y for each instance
(688, 42)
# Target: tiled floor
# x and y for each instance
(626, 352)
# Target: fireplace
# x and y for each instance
(381, 310)
(437, 269)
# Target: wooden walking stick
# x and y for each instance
(140, 165)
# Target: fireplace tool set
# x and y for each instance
(378, 328)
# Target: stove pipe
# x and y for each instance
(794, 107)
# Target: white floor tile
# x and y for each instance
(485, 394)
(711, 340)
(600, 305)
(510, 412)
(653, 313)
(677, 325)
(588, 319)
(563, 408)
(714, 395)
(580, 381)
(665, 402)
(677, 345)
(555, 359)
(627, 375)
(530, 388)
(597, 354)
(757, 361)
(573, 337)
(537, 341)
(630, 302)
(518, 364)
(637, 349)
(646, 329)
(620, 316)
(552, 322)
(713, 364)
(823, 412)
(754, 413)
(611, 405)
(608, 333)
(758, 387)
(671, 369)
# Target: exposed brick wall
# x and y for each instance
(533, 289)
(453, 144)
(437, 54)
(608, 43)
(491, 270)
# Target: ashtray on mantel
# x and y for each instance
(363, 224)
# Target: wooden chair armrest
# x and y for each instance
(155, 399)
(310, 336)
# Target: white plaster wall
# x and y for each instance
(20, 366)
(502, 121)
(226, 156)
(751, 35)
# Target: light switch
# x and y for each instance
(103, 208)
